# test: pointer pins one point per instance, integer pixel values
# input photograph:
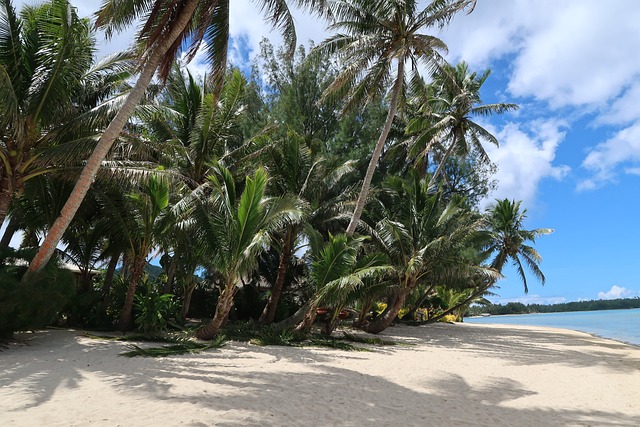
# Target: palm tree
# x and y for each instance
(377, 35)
(422, 236)
(169, 26)
(336, 272)
(507, 239)
(449, 105)
(53, 98)
(146, 208)
(235, 228)
(299, 173)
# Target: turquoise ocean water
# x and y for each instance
(621, 325)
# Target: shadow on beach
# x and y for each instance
(247, 385)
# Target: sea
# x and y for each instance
(620, 325)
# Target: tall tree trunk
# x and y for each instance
(411, 313)
(269, 312)
(107, 139)
(442, 164)
(373, 163)
(309, 317)
(126, 317)
(225, 302)
(111, 271)
(389, 316)
(12, 227)
(6, 195)
(332, 321)
(186, 300)
(295, 318)
(171, 274)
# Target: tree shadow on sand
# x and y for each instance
(219, 388)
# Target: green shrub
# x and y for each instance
(152, 309)
(38, 300)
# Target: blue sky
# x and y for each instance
(572, 151)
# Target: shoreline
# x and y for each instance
(462, 374)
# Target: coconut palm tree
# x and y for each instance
(300, 173)
(170, 26)
(507, 238)
(336, 272)
(235, 227)
(376, 37)
(504, 238)
(422, 236)
(53, 98)
(449, 105)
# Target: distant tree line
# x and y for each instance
(519, 308)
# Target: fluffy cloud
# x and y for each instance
(525, 157)
(616, 292)
(605, 159)
(581, 53)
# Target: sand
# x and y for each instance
(454, 375)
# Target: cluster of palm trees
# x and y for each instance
(214, 175)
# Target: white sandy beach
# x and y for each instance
(455, 375)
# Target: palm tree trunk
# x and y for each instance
(269, 312)
(107, 139)
(11, 229)
(126, 317)
(440, 167)
(295, 318)
(225, 302)
(309, 317)
(6, 195)
(186, 300)
(412, 312)
(466, 301)
(389, 316)
(171, 274)
(373, 163)
(111, 271)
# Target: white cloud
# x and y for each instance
(524, 158)
(582, 53)
(604, 159)
(616, 292)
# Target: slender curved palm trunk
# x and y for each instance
(225, 302)
(108, 277)
(107, 139)
(373, 163)
(11, 229)
(309, 317)
(6, 195)
(269, 312)
(126, 317)
(392, 312)
(440, 167)
(171, 274)
(186, 300)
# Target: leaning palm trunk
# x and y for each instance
(186, 300)
(225, 302)
(107, 139)
(6, 194)
(473, 296)
(373, 163)
(309, 317)
(108, 277)
(269, 312)
(126, 317)
(393, 309)
(11, 229)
